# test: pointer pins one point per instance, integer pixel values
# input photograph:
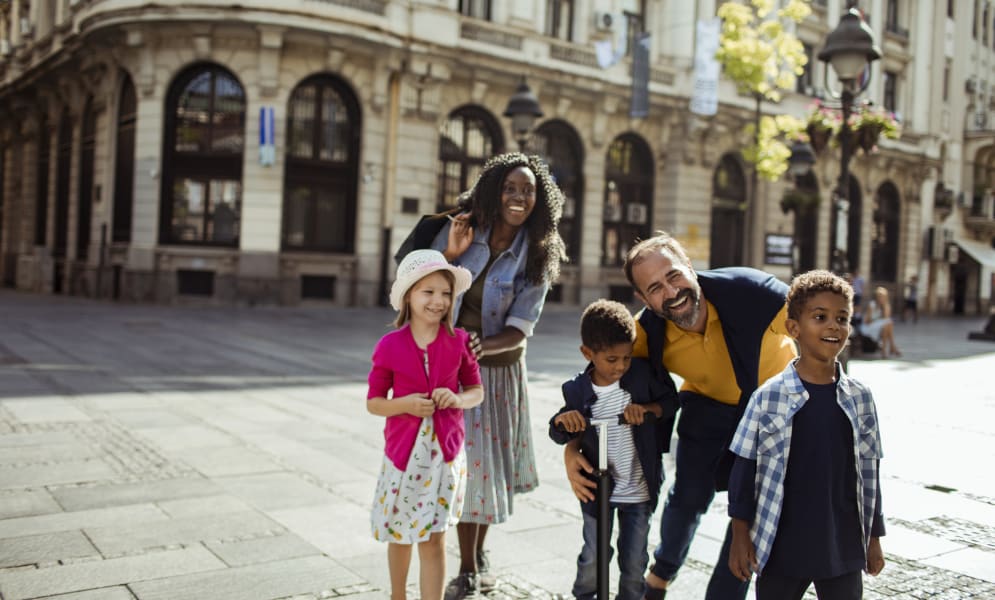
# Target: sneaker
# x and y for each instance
(462, 586)
(487, 581)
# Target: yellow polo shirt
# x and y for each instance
(702, 359)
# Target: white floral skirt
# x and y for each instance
(426, 497)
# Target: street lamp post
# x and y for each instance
(850, 49)
(523, 109)
(799, 165)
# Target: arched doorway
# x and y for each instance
(322, 166)
(628, 197)
(204, 140)
(124, 162)
(559, 145)
(854, 220)
(64, 155)
(467, 139)
(729, 204)
(884, 235)
(88, 144)
(807, 222)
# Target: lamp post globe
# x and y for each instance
(523, 109)
(801, 160)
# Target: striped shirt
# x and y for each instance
(623, 464)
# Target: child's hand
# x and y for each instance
(875, 557)
(420, 405)
(444, 397)
(571, 421)
(742, 554)
(635, 414)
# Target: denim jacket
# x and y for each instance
(509, 297)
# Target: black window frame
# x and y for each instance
(63, 172)
(473, 8)
(728, 207)
(890, 97)
(629, 181)
(43, 165)
(200, 166)
(566, 164)
(87, 168)
(885, 233)
(315, 173)
(558, 25)
(452, 152)
(124, 162)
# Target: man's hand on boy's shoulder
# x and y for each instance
(571, 421)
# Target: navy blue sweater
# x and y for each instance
(650, 442)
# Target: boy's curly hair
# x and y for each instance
(806, 285)
(606, 323)
(546, 249)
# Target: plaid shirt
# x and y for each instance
(764, 435)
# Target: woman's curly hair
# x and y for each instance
(546, 249)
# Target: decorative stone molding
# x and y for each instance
(270, 48)
(573, 53)
(480, 33)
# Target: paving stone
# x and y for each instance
(22, 503)
(203, 505)
(40, 549)
(184, 437)
(38, 439)
(116, 494)
(77, 471)
(113, 540)
(969, 561)
(275, 491)
(256, 582)
(149, 418)
(107, 593)
(22, 526)
(262, 549)
(44, 410)
(21, 585)
(338, 529)
(231, 460)
(21, 455)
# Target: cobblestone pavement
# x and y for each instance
(211, 453)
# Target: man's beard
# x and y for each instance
(688, 317)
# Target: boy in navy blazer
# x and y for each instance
(613, 384)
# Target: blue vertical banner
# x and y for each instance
(267, 136)
(639, 107)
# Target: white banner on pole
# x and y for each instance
(705, 97)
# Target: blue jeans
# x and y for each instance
(633, 529)
(704, 432)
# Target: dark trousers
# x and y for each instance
(704, 432)
(633, 529)
(849, 586)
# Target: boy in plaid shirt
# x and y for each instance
(804, 493)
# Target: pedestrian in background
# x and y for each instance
(911, 299)
(612, 384)
(506, 235)
(804, 492)
(433, 377)
(878, 325)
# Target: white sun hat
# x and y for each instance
(418, 264)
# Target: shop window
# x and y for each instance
(124, 162)
(466, 140)
(628, 197)
(558, 143)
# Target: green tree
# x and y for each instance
(762, 57)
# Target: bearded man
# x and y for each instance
(723, 332)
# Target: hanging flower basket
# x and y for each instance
(867, 136)
(798, 200)
(821, 124)
(869, 123)
(818, 136)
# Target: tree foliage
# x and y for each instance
(762, 56)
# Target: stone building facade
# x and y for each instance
(279, 152)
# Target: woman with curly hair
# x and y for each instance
(506, 235)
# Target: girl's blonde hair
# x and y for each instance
(404, 315)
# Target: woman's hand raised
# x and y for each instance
(460, 236)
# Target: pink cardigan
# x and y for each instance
(398, 365)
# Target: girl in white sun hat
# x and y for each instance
(431, 376)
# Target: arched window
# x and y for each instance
(322, 167)
(466, 140)
(728, 214)
(63, 165)
(854, 218)
(202, 158)
(884, 236)
(86, 164)
(807, 221)
(124, 162)
(41, 181)
(560, 146)
(628, 197)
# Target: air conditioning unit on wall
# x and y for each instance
(606, 21)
